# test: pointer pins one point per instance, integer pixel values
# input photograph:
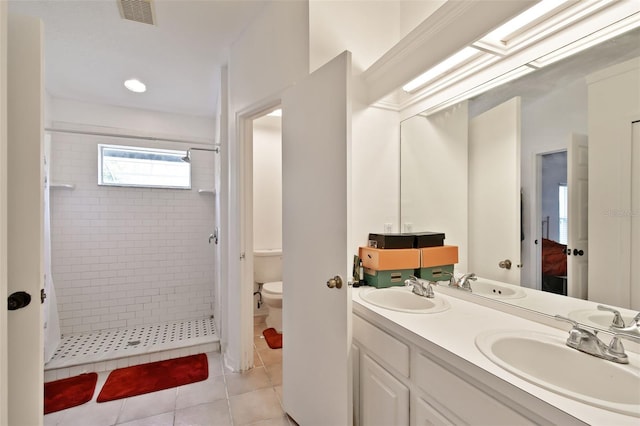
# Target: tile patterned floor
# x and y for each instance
(225, 398)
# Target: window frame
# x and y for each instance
(158, 151)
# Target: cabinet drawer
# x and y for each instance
(466, 401)
(387, 348)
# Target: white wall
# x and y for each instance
(135, 121)
(613, 104)
(124, 257)
(434, 176)
(366, 28)
(267, 183)
(375, 163)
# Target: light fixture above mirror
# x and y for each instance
(520, 44)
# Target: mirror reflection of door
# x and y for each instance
(563, 207)
(554, 224)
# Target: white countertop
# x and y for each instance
(455, 330)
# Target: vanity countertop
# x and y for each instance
(455, 330)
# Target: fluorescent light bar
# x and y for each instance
(443, 67)
(586, 42)
(498, 81)
(500, 34)
(275, 113)
(135, 85)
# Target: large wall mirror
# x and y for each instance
(510, 175)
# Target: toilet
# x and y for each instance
(267, 271)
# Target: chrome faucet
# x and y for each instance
(618, 325)
(420, 287)
(588, 342)
(464, 283)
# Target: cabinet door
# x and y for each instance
(426, 415)
(384, 400)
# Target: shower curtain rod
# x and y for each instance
(120, 135)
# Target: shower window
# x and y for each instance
(143, 167)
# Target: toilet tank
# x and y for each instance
(267, 265)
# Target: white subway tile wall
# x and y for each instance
(124, 257)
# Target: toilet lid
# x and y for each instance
(273, 287)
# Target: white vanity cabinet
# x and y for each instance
(384, 399)
(407, 380)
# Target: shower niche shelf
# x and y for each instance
(207, 191)
(59, 185)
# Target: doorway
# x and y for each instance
(553, 207)
(266, 235)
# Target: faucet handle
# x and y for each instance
(410, 281)
(617, 322)
(569, 320)
(616, 347)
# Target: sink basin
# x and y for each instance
(545, 360)
(595, 318)
(498, 291)
(403, 300)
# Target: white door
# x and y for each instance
(24, 218)
(578, 222)
(3, 211)
(494, 193)
(635, 218)
(316, 319)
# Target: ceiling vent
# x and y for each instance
(137, 10)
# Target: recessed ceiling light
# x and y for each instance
(135, 85)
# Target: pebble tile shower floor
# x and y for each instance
(104, 345)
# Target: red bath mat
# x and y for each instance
(273, 338)
(69, 392)
(154, 376)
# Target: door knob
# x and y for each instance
(335, 282)
(505, 264)
(18, 300)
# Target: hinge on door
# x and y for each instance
(43, 295)
(242, 256)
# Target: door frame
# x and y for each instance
(240, 307)
(536, 209)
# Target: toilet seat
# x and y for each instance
(273, 288)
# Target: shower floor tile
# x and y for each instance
(75, 349)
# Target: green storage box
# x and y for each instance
(383, 279)
(435, 273)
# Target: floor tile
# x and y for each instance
(214, 360)
(211, 414)
(210, 390)
(278, 421)
(92, 414)
(255, 406)
(260, 343)
(274, 371)
(147, 405)
(271, 356)
(248, 381)
(165, 419)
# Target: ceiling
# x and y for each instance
(90, 50)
